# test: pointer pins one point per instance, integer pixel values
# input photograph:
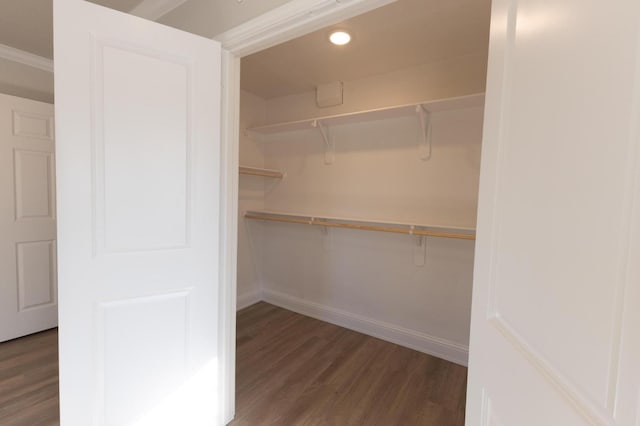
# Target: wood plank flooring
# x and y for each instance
(291, 370)
(295, 370)
(29, 380)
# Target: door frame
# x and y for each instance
(293, 19)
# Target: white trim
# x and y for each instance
(593, 412)
(292, 19)
(249, 298)
(412, 339)
(229, 148)
(155, 9)
(26, 58)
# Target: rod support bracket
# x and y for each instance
(420, 250)
(425, 135)
(329, 145)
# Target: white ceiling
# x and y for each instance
(401, 35)
(28, 24)
(209, 18)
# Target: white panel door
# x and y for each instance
(137, 131)
(556, 305)
(28, 300)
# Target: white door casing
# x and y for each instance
(138, 147)
(28, 300)
(556, 302)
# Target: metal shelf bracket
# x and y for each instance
(420, 250)
(330, 147)
(425, 136)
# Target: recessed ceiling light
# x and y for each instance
(340, 38)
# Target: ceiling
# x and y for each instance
(28, 24)
(210, 18)
(401, 35)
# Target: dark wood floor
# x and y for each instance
(291, 370)
(29, 380)
(295, 370)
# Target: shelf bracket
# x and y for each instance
(425, 136)
(330, 147)
(420, 250)
(326, 238)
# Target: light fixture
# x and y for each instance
(340, 38)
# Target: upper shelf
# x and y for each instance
(254, 171)
(373, 114)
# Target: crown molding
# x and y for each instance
(292, 19)
(26, 58)
(155, 9)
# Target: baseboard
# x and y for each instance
(422, 342)
(247, 299)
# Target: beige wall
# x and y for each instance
(459, 76)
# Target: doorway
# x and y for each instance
(381, 134)
(28, 264)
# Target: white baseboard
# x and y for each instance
(422, 342)
(247, 299)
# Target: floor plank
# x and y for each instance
(29, 380)
(291, 370)
(295, 370)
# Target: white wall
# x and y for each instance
(378, 172)
(368, 280)
(453, 77)
(251, 197)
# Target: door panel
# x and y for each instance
(138, 182)
(36, 274)
(28, 299)
(34, 187)
(557, 220)
(130, 212)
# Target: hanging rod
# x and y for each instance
(253, 171)
(365, 225)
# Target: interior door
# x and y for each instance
(137, 131)
(556, 303)
(28, 301)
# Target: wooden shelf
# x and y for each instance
(371, 115)
(365, 225)
(253, 171)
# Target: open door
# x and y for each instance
(556, 303)
(27, 218)
(137, 133)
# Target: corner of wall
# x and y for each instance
(251, 197)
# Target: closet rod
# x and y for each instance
(351, 224)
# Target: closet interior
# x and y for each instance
(360, 163)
